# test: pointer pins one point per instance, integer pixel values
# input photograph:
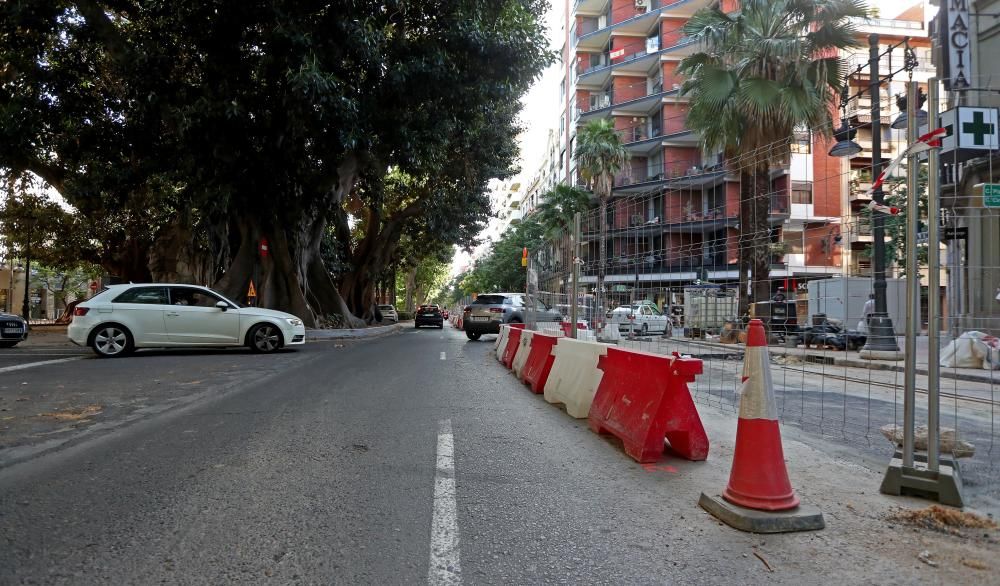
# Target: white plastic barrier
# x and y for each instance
(586, 335)
(549, 326)
(521, 356)
(611, 333)
(501, 344)
(574, 377)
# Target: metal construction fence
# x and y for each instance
(806, 249)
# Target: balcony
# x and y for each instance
(641, 62)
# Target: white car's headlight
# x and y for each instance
(294, 321)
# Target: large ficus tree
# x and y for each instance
(200, 129)
(761, 72)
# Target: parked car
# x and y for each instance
(489, 310)
(126, 317)
(641, 318)
(13, 330)
(428, 315)
(389, 313)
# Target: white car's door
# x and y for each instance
(193, 318)
(141, 309)
(657, 321)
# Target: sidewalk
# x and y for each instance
(848, 358)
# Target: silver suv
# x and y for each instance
(489, 310)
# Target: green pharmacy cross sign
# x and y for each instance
(970, 129)
(978, 128)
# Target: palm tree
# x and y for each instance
(600, 156)
(558, 208)
(761, 73)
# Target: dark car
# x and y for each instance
(13, 329)
(428, 315)
(489, 310)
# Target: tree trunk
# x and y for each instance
(755, 236)
(411, 285)
(760, 263)
(602, 254)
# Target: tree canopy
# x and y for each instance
(193, 132)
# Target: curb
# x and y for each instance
(354, 334)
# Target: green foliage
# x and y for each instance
(32, 225)
(600, 155)
(895, 225)
(558, 208)
(258, 117)
(500, 269)
(764, 71)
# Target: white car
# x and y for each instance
(640, 318)
(125, 317)
(389, 313)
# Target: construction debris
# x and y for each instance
(949, 444)
(946, 520)
(74, 414)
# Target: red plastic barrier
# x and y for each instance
(513, 343)
(567, 327)
(643, 398)
(540, 359)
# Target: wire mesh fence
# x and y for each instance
(689, 260)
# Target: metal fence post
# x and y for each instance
(575, 276)
(912, 281)
(933, 287)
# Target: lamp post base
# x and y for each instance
(881, 343)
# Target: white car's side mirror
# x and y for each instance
(222, 305)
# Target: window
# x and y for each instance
(793, 242)
(144, 295)
(801, 193)
(491, 300)
(801, 142)
(190, 296)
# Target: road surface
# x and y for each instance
(410, 459)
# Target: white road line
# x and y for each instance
(39, 363)
(442, 356)
(444, 564)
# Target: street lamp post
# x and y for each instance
(881, 342)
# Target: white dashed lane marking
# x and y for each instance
(442, 356)
(444, 566)
(39, 363)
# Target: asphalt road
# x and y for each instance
(410, 459)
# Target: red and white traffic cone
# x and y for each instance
(759, 479)
(759, 497)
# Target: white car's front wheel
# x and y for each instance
(265, 338)
(112, 341)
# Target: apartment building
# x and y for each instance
(676, 209)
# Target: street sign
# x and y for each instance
(264, 248)
(524, 257)
(991, 195)
(616, 54)
(251, 292)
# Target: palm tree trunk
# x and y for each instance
(760, 262)
(603, 262)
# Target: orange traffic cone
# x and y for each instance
(759, 496)
(759, 479)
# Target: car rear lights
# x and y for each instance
(80, 311)
(496, 310)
